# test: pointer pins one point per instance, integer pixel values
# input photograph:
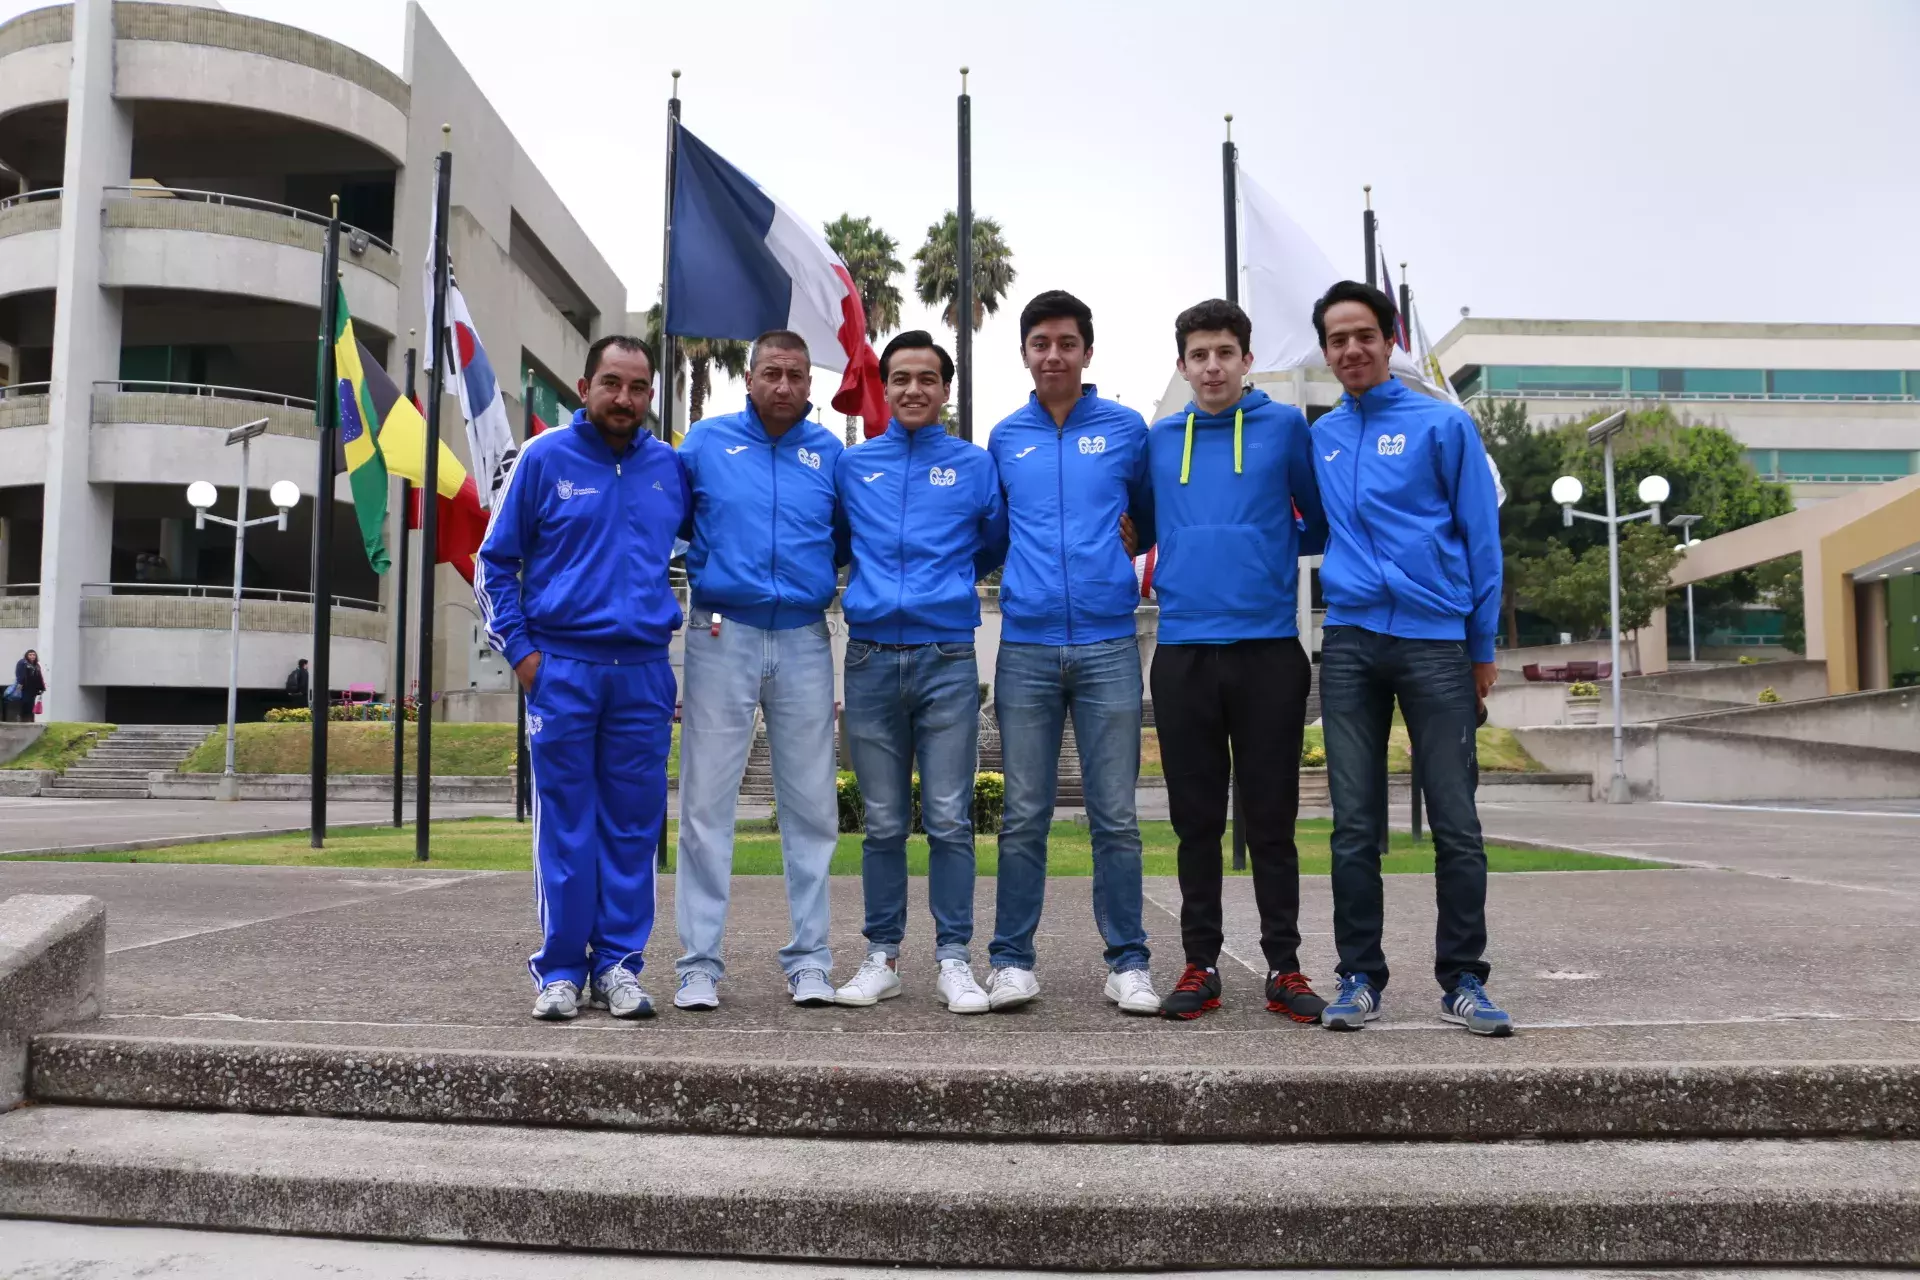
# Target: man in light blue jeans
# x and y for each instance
(1073, 471)
(762, 555)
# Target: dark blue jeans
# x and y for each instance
(1361, 673)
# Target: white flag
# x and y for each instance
(469, 375)
(1284, 275)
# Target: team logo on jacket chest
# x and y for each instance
(808, 458)
(1093, 444)
(1391, 445)
(567, 490)
(943, 476)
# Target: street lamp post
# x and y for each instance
(284, 495)
(1567, 490)
(1685, 525)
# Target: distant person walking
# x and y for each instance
(298, 684)
(29, 682)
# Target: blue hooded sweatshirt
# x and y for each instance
(762, 546)
(575, 558)
(1225, 487)
(1414, 549)
(1068, 578)
(924, 513)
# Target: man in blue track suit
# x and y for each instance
(762, 564)
(926, 521)
(1072, 468)
(1412, 584)
(572, 582)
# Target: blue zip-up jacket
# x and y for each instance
(1228, 567)
(1414, 549)
(1068, 578)
(761, 538)
(575, 558)
(927, 523)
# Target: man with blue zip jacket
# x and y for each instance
(572, 584)
(926, 522)
(762, 561)
(1072, 468)
(1412, 585)
(1236, 506)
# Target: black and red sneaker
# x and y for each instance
(1289, 993)
(1197, 991)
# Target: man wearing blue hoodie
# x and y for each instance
(572, 584)
(1412, 585)
(1235, 506)
(1072, 467)
(761, 561)
(926, 521)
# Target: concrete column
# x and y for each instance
(1652, 642)
(6, 546)
(77, 537)
(1871, 623)
(173, 547)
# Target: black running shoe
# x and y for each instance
(1289, 993)
(1197, 991)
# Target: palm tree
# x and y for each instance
(698, 356)
(869, 254)
(937, 279)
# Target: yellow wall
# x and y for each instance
(1878, 533)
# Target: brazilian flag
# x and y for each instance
(360, 421)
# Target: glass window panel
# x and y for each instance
(1844, 464)
(1835, 382)
(1746, 382)
(1547, 377)
(1644, 382)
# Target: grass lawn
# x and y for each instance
(494, 844)
(1500, 751)
(459, 750)
(62, 744)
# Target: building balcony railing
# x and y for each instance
(220, 591)
(190, 404)
(182, 209)
(195, 607)
(25, 404)
(1784, 397)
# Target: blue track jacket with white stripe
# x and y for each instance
(575, 558)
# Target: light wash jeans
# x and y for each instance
(905, 705)
(788, 674)
(1034, 687)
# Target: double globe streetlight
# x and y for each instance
(1654, 490)
(284, 494)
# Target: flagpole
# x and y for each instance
(326, 412)
(1367, 226)
(430, 495)
(1229, 185)
(963, 299)
(668, 355)
(520, 762)
(400, 623)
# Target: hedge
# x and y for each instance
(989, 802)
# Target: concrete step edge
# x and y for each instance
(978, 1205)
(1186, 1104)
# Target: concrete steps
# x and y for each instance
(118, 765)
(1078, 1205)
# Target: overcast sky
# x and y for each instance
(1740, 160)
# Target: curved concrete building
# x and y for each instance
(166, 172)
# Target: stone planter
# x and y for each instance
(1583, 710)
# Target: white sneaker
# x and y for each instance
(1010, 988)
(1133, 992)
(698, 992)
(875, 982)
(557, 1002)
(959, 990)
(620, 994)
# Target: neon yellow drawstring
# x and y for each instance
(1186, 454)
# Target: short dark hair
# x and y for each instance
(626, 342)
(917, 340)
(303, 661)
(1213, 315)
(1056, 304)
(1353, 291)
(778, 340)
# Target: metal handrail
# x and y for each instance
(21, 390)
(20, 589)
(241, 202)
(206, 389)
(217, 591)
(31, 197)
(1785, 396)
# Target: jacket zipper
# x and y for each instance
(773, 531)
(1060, 492)
(900, 579)
(1360, 516)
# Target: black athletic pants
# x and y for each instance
(1224, 709)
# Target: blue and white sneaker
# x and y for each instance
(1468, 1005)
(1356, 1004)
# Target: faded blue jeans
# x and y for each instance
(915, 704)
(1361, 673)
(789, 676)
(1035, 687)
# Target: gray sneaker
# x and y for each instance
(618, 992)
(810, 988)
(557, 1002)
(698, 993)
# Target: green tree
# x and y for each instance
(1782, 584)
(1573, 589)
(872, 260)
(937, 279)
(1529, 461)
(698, 358)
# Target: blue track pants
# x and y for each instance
(598, 735)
